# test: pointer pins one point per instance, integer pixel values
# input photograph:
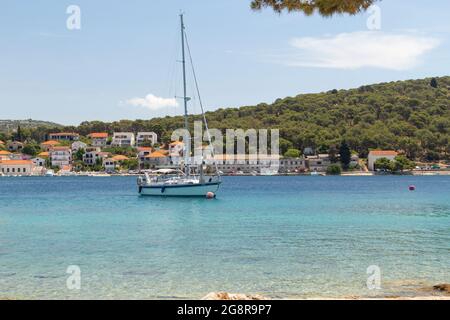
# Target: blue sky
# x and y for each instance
(122, 64)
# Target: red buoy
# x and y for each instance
(210, 195)
(412, 188)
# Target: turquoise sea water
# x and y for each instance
(283, 237)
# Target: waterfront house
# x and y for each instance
(39, 162)
(64, 136)
(245, 163)
(5, 155)
(15, 146)
(123, 139)
(94, 155)
(16, 167)
(109, 165)
(120, 158)
(146, 137)
(61, 156)
(77, 145)
(142, 153)
(47, 145)
(176, 147)
(374, 155)
(99, 139)
(292, 165)
(157, 158)
(318, 163)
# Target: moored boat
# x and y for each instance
(187, 182)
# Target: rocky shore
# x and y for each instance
(436, 292)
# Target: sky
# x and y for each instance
(120, 59)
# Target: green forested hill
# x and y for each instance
(11, 125)
(413, 116)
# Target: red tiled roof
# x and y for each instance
(98, 135)
(383, 153)
(156, 154)
(119, 158)
(15, 162)
(43, 154)
(50, 143)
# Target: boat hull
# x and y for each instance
(195, 190)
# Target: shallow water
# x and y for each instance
(283, 237)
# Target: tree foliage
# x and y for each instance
(345, 155)
(292, 153)
(309, 7)
(334, 169)
(408, 116)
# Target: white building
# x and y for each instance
(16, 167)
(77, 145)
(246, 163)
(176, 147)
(99, 139)
(39, 162)
(379, 154)
(109, 164)
(318, 163)
(143, 137)
(61, 156)
(94, 155)
(65, 136)
(123, 139)
(292, 165)
(142, 153)
(15, 146)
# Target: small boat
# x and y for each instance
(182, 183)
(49, 173)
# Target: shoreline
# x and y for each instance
(345, 174)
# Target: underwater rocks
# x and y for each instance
(445, 287)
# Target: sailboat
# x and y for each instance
(176, 182)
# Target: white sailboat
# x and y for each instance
(182, 183)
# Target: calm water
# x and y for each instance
(278, 236)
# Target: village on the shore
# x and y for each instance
(123, 153)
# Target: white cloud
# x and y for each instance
(152, 102)
(395, 51)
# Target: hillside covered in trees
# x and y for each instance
(12, 125)
(411, 116)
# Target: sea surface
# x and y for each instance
(282, 237)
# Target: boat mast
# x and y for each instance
(187, 143)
